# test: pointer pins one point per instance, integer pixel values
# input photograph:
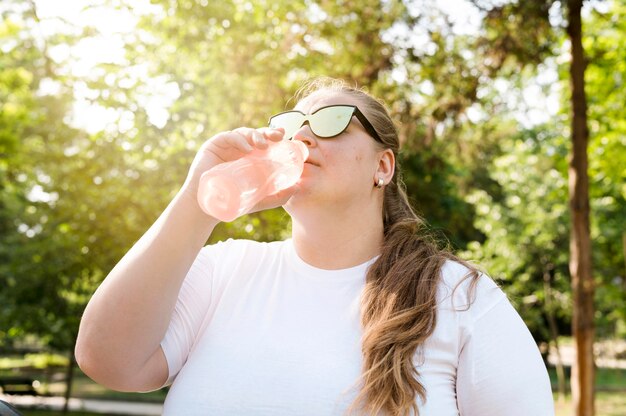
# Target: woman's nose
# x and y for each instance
(305, 135)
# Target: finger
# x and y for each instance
(274, 135)
(218, 145)
(259, 139)
(241, 139)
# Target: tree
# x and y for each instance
(531, 22)
(583, 371)
(193, 68)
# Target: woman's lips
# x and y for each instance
(310, 162)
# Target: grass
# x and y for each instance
(610, 388)
(53, 384)
(610, 385)
(85, 388)
(607, 404)
(49, 370)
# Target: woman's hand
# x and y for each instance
(232, 145)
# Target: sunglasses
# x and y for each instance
(326, 122)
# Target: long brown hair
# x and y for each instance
(399, 302)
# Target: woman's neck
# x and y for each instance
(338, 242)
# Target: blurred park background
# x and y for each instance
(103, 104)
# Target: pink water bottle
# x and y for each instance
(231, 189)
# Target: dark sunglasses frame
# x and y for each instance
(355, 112)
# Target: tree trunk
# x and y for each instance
(583, 376)
(69, 378)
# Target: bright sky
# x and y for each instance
(538, 104)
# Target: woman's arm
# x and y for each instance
(124, 322)
(500, 370)
(121, 329)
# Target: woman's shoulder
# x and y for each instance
(466, 289)
(225, 261)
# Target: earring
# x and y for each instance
(380, 182)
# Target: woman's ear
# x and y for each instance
(386, 166)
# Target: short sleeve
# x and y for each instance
(191, 308)
(500, 371)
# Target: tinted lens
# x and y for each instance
(330, 121)
(291, 121)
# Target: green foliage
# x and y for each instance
(525, 215)
(84, 198)
(73, 201)
(517, 34)
(430, 181)
(527, 227)
(40, 264)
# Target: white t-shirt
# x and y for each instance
(257, 331)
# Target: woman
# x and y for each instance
(357, 313)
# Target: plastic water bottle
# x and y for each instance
(232, 189)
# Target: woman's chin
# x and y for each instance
(300, 199)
